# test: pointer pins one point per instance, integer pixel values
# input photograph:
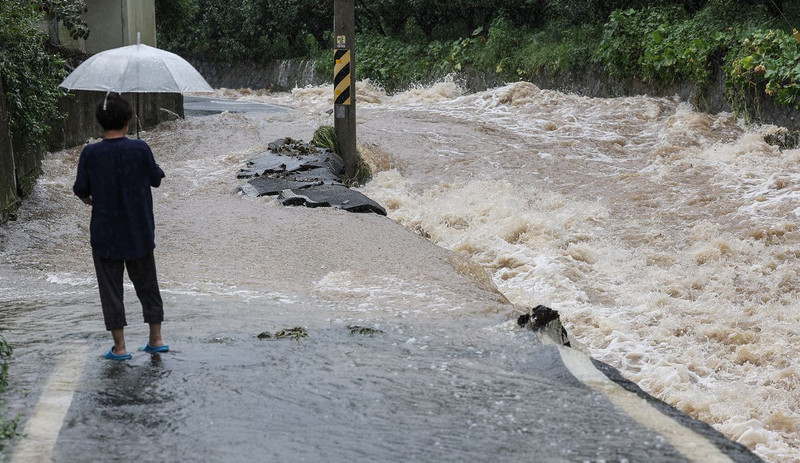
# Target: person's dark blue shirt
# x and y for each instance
(118, 173)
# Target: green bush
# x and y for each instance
(627, 35)
(5, 354)
(69, 14)
(253, 30)
(325, 137)
(691, 47)
(400, 44)
(30, 75)
(396, 64)
(767, 60)
(559, 48)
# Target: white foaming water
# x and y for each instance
(70, 279)
(383, 294)
(666, 238)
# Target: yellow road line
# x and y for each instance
(42, 430)
(691, 444)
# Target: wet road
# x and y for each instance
(450, 377)
(412, 393)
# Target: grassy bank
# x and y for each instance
(400, 43)
(758, 53)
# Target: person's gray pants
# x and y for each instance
(142, 272)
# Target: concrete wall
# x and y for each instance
(140, 16)
(8, 178)
(114, 23)
(80, 125)
(104, 18)
(279, 75)
(19, 167)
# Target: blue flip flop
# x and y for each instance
(110, 355)
(155, 350)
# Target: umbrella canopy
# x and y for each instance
(136, 69)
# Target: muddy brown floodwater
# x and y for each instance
(666, 238)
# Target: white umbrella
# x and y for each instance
(136, 69)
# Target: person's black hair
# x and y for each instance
(116, 114)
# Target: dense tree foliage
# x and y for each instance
(256, 30)
(267, 29)
(30, 75)
(401, 42)
(68, 13)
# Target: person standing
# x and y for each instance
(115, 177)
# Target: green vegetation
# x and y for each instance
(5, 354)
(8, 428)
(325, 137)
(769, 60)
(255, 30)
(289, 333)
(30, 74)
(363, 330)
(69, 14)
(403, 43)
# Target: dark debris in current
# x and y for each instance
(543, 318)
(295, 333)
(363, 330)
(784, 139)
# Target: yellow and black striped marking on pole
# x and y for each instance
(341, 77)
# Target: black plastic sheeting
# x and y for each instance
(338, 196)
(303, 175)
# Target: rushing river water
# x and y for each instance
(666, 238)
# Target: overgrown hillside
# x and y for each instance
(400, 42)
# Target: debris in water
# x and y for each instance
(544, 318)
(338, 196)
(295, 333)
(784, 139)
(363, 330)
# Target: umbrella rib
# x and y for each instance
(164, 66)
(130, 65)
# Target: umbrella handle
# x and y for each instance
(138, 121)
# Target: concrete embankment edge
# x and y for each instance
(696, 440)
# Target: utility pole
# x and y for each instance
(344, 108)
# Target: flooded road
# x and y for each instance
(665, 238)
